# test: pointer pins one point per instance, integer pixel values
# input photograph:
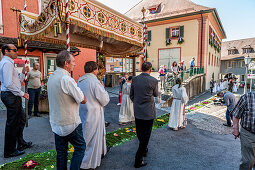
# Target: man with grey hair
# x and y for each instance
(229, 101)
(64, 99)
(11, 97)
(34, 77)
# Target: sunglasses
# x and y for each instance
(15, 50)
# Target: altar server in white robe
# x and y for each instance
(92, 116)
(221, 85)
(127, 107)
(177, 113)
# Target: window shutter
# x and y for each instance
(182, 31)
(210, 31)
(167, 33)
(149, 36)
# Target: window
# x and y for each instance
(246, 50)
(229, 64)
(232, 52)
(233, 64)
(214, 60)
(149, 36)
(175, 32)
(1, 18)
(243, 64)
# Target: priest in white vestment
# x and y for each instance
(92, 116)
(127, 107)
(177, 113)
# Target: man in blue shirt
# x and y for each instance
(11, 97)
(192, 62)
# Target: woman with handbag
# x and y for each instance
(177, 113)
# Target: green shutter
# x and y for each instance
(167, 33)
(210, 31)
(182, 31)
(149, 36)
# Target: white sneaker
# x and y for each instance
(118, 104)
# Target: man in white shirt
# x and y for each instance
(34, 89)
(64, 99)
(11, 97)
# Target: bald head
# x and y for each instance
(36, 66)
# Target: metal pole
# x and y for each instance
(246, 72)
(251, 85)
(251, 81)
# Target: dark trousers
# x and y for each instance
(211, 89)
(143, 131)
(34, 98)
(228, 117)
(78, 142)
(15, 123)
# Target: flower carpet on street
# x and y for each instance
(47, 160)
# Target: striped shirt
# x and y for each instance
(245, 110)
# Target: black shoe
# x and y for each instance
(25, 146)
(37, 115)
(16, 153)
(225, 124)
(139, 165)
(107, 124)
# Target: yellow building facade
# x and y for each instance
(180, 30)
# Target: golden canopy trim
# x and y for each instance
(87, 18)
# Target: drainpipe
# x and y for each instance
(201, 48)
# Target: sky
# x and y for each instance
(237, 16)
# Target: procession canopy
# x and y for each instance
(92, 25)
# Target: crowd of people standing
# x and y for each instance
(77, 110)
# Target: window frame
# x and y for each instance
(175, 30)
(229, 65)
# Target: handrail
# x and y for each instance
(184, 75)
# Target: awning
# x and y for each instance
(92, 25)
(19, 61)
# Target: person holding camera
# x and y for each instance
(229, 100)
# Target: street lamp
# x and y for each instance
(247, 61)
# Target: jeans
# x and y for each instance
(247, 140)
(143, 131)
(34, 98)
(15, 123)
(78, 142)
(228, 117)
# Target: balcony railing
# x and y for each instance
(184, 75)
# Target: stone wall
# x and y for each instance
(195, 85)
